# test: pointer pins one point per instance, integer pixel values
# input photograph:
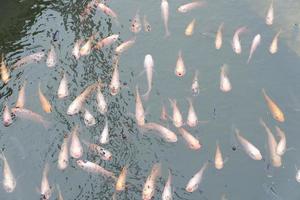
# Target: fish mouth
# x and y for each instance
(188, 189)
(179, 74)
(7, 123)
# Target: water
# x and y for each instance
(28, 27)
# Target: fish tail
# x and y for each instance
(249, 58)
(167, 34)
(46, 169)
(264, 93)
(147, 94)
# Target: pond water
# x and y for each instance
(28, 27)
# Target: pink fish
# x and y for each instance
(7, 119)
(106, 41)
(28, 114)
(190, 6)
(33, 58)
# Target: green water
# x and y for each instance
(27, 27)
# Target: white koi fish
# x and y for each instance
(254, 45)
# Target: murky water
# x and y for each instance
(28, 27)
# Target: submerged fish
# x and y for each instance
(63, 155)
(76, 149)
(104, 137)
(108, 11)
(149, 186)
(166, 134)
(45, 186)
(275, 158)
(125, 46)
(139, 109)
(219, 162)
(236, 43)
(147, 26)
(249, 148)
(274, 108)
(76, 49)
(87, 47)
(33, 58)
(98, 150)
(163, 114)
(28, 114)
(115, 85)
(165, 16)
(44, 101)
(195, 181)
(88, 9)
(219, 37)
(60, 197)
(193, 143)
(180, 67)
(21, 96)
(9, 182)
(5, 74)
(270, 14)
(7, 119)
(94, 168)
(79, 101)
(101, 102)
(254, 45)
(121, 181)
(189, 30)
(274, 44)
(298, 175)
(107, 41)
(177, 117)
(89, 119)
(195, 85)
(63, 90)
(167, 192)
(192, 119)
(225, 85)
(281, 146)
(148, 65)
(51, 58)
(136, 25)
(190, 6)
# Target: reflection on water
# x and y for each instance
(36, 25)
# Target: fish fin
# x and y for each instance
(141, 73)
(37, 190)
(146, 95)
(167, 34)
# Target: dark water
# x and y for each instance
(28, 27)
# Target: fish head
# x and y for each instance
(179, 71)
(9, 187)
(195, 145)
(148, 192)
(298, 176)
(114, 90)
(279, 117)
(191, 187)
(7, 121)
(172, 138)
(182, 9)
(73, 108)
